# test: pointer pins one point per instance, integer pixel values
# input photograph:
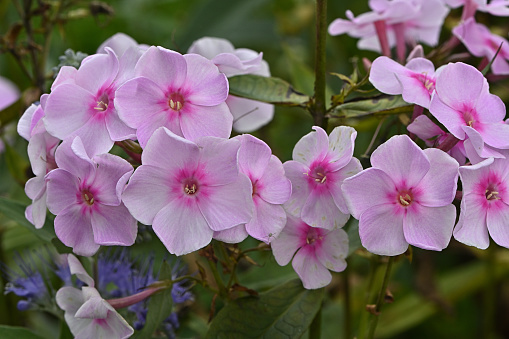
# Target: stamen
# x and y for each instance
(492, 195)
(101, 106)
(191, 190)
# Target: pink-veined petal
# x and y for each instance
(199, 121)
(73, 228)
(381, 231)
(429, 228)
(402, 160)
(296, 172)
(232, 235)
(291, 238)
(341, 145)
(309, 269)
(97, 72)
(497, 220)
(110, 170)
(181, 227)
(76, 268)
(62, 189)
(219, 160)
(320, 210)
(338, 177)
(471, 228)
(267, 222)
(69, 299)
(333, 250)
(447, 116)
(164, 67)
(113, 225)
(311, 147)
(275, 188)
(254, 156)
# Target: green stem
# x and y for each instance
(315, 329)
(318, 109)
(348, 307)
(374, 265)
(380, 300)
(489, 294)
(217, 278)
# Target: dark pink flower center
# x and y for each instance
(469, 117)
(404, 198)
(190, 186)
(428, 82)
(313, 236)
(255, 187)
(318, 174)
(492, 192)
(176, 101)
(103, 101)
(87, 197)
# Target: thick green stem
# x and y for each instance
(489, 294)
(380, 300)
(217, 278)
(318, 108)
(315, 329)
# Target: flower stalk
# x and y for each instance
(318, 108)
(380, 300)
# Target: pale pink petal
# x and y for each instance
(204, 85)
(219, 160)
(209, 47)
(134, 111)
(249, 115)
(311, 147)
(292, 237)
(402, 159)
(337, 178)
(309, 269)
(471, 228)
(381, 230)
(319, 210)
(127, 64)
(36, 212)
(25, 124)
(228, 205)
(35, 187)
(93, 308)
(95, 136)
(341, 145)
(67, 109)
(74, 229)
(98, 72)
(119, 43)
(232, 235)
(333, 250)
(495, 134)
(143, 206)
(447, 116)
(69, 299)
(369, 188)
(113, 225)
(384, 75)
(438, 187)
(425, 129)
(179, 240)
(497, 220)
(164, 67)
(117, 129)
(472, 175)
(450, 85)
(72, 157)
(267, 222)
(76, 268)
(199, 121)
(274, 187)
(429, 228)
(62, 188)
(161, 119)
(490, 109)
(66, 75)
(254, 156)
(296, 172)
(110, 169)
(170, 152)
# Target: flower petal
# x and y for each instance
(429, 228)
(62, 188)
(73, 228)
(267, 222)
(291, 238)
(275, 188)
(341, 145)
(232, 235)
(311, 147)
(333, 250)
(254, 156)
(312, 273)
(113, 225)
(497, 220)
(320, 210)
(471, 228)
(296, 172)
(110, 178)
(337, 178)
(199, 121)
(98, 72)
(164, 67)
(381, 231)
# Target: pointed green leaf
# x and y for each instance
(12, 332)
(16, 164)
(15, 211)
(266, 89)
(160, 306)
(488, 66)
(377, 106)
(285, 311)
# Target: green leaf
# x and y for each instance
(354, 240)
(15, 211)
(377, 106)
(11, 332)
(285, 311)
(160, 305)
(266, 89)
(488, 66)
(11, 113)
(16, 164)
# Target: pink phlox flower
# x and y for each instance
(470, 112)
(417, 20)
(404, 198)
(482, 43)
(271, 189)
(193, 190)
(433, 136)
(87, 314)
(81, 102)
(320, 164)
(485, 204)
(415, 81)
(41, 153)
(85, 196)
(248, 115)
(9, 93)
(184, 93)
(313, 251)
